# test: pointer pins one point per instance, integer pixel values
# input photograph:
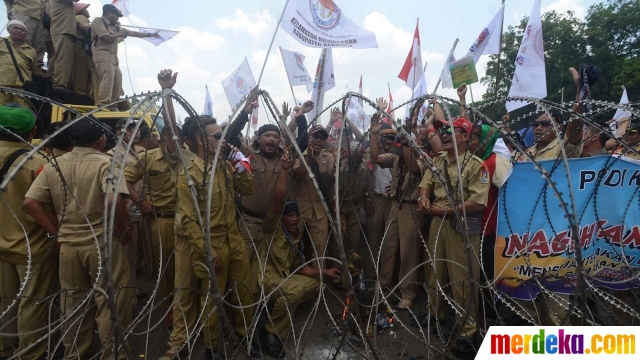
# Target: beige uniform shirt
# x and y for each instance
(160, 190)
(307, 197)
(553, 150)
(82, 25)
(13, 246)
(30, 8)
(390, 161)
(282, 257)
(224, 217)
(176, 164)
(265, 175)
(475, 179)
(80, 209)
(63, 17)
(102, 50)
(353, 184)
(26, 59)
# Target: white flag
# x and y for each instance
(321, 24)
(488, 42)
(208, 103)
(620, 113)
(419, 91)
(356, 114)
(445, 76)
(530, 77)
(238, 84)
(328, 82)
(163, 35)
(296, 71)
(122, 5)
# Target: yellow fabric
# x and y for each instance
(475, 186)
(86, 171)
(26, 59)
(63, 18)
(15, 220)
(160, 188)
(63, 44)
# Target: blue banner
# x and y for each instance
(534, 242)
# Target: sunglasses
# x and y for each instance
(319, 136)
(447, 130)
(217, 135)
(545, 123)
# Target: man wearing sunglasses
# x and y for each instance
(630, 128)
(445, 242)
(230, 260)
(322, 164)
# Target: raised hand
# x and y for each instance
(462, 91)
(167, 79)
(381, 103)
(576, 76)
(285, 110)
(307, 106)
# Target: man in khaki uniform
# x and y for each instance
(632, 137)
(322, 163)
(28, 317)
(63, 34)
(548, 146)
(30, 13)
(231, 262)
(105, 32)
(280, 245)
(445, 242)
(81, 77)
(408, 218)
(383, 222)
(79, 230)
(25, 58)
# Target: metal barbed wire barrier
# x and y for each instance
(359, 320)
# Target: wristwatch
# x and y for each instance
(420, 198)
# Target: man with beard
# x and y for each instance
(321, 163)
(446, 241)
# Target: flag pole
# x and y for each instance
(289, 79)
(414, 63)
(271, 44)
(320, 93)
(495, 92)
(144, 27)
(446, 63)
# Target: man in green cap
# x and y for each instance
(23, 243)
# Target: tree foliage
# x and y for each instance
(608, 37)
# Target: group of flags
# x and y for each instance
(323, 25)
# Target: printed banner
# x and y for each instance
(534, 240)
(463, 72)
(321, 24)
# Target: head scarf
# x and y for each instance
(489, 141)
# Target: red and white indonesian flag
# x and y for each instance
(321, 24)
(328, 82)
(296, 70)
(122, 5)
(412, 70)
(238, 84)
(488, 42)
(530, 77)
(356, 114)
(163, 35)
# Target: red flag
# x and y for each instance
(412, 70)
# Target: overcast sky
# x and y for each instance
(215, 36)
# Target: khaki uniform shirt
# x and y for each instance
(102, 50)
(475, 179)
(306, 195)
(224, 217)
(282, 258)
(624, 152)
(265, 175)
(13, 246)
(176, 164)
(390, 161)
(80, 209)
(26, 59)
(30, 8)
(125, 160)
(63, 17)
(82, 25)
(160, 190)
(353, 184)
(553, 151)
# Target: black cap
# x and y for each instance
(85, 130)
(111, 8)
(318, 129)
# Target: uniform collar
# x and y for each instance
(84, 150)
(14, 145)
(534, 149)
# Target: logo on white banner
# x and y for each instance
(241, 84)
(326, 13)
(300, 62)
(483, 35)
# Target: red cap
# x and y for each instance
(460, 123)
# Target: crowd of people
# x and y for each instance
(82, 54)
(254, 219)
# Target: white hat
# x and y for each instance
(16, 22)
